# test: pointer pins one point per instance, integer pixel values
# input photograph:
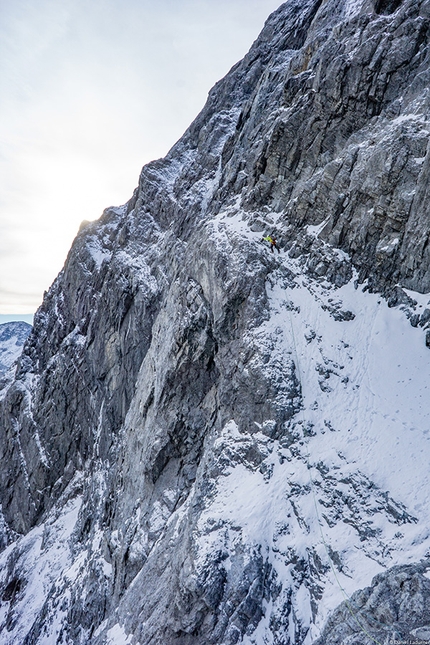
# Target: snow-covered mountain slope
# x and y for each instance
(12, 338)
(344, 492)
(207, 442)
(283, 520)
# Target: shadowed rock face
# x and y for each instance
(151, 372)
(387, 6)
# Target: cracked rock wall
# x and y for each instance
(150, 374)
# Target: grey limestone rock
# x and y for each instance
(153, 372)
(394, 609)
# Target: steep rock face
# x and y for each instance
(344, 141)
(190, 409)
(396, 608)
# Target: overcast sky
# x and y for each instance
(90, 91)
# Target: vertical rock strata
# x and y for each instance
(156, 398)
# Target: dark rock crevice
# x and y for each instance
(387, 7)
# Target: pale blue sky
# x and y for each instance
(90, 91)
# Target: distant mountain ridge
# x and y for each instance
(12, 338)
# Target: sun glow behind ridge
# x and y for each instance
(89, 93)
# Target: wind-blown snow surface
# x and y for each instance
(345, 494)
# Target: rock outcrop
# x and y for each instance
(206, 442)
(394, 609)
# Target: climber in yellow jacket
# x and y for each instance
(272, 241)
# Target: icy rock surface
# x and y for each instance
(395, 608)
(209, 443)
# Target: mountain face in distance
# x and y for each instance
(12, 338)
